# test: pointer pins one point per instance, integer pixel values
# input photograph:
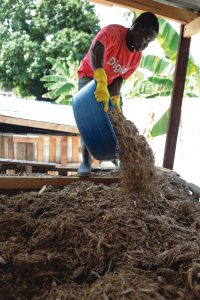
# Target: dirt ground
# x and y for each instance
(93, 241)
(90, 241)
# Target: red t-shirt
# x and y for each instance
(118, 60)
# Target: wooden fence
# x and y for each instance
(42, 148)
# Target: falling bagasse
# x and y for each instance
(138, 171)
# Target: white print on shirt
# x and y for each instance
(117, 67)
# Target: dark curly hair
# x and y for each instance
(147, 20)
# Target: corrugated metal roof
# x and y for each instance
(192, 5)
(41, 115)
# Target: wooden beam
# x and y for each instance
(192, 28)
(36, 183)
(176, 101)
(38, 124)
(6, 161)
(25, 139)
(179, 15)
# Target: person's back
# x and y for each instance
(113, 56)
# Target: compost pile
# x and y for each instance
(137, 167)
(92, 241)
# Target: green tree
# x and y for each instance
(32, 32)
(62, 83)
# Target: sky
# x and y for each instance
(114, 15)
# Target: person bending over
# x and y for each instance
(113, 56)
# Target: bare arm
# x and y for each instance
(115, 86)
(96, 55)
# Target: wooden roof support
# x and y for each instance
(192, 28)
(179, 15)
(176, 100)
(36, 183)
(38, 124)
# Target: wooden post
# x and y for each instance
(52, 149)
(176, 100)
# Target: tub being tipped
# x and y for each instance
(94, 124)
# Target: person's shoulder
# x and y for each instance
(114, 28)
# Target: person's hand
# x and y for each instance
(116, 102)
(101, 93)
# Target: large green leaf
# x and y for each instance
(65, 88)
(167, 82)
(160, 127)
(168, 39)
(159, 94)
(156, 65)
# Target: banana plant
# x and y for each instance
(61, 84)
(160, 82)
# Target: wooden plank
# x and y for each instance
(7, 162)
(25, 139)
(40, 149)
(74, 167)
(179, 15)
(63, 152)
(10, 147)
(52, 149)
(176, 101)
(3, 141)
(11, 163)
(192, 28)
(21, 151)
(38, 124)
(75, 149)
(35, 183)
(30, 151)
(0, 146)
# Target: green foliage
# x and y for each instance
(32, 31)
(160, 127)
(61, 85)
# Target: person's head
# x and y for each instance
(143, 31)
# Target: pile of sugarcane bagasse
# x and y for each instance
(137, 239)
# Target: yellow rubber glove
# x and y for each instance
(116, 102)
(101, 93)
